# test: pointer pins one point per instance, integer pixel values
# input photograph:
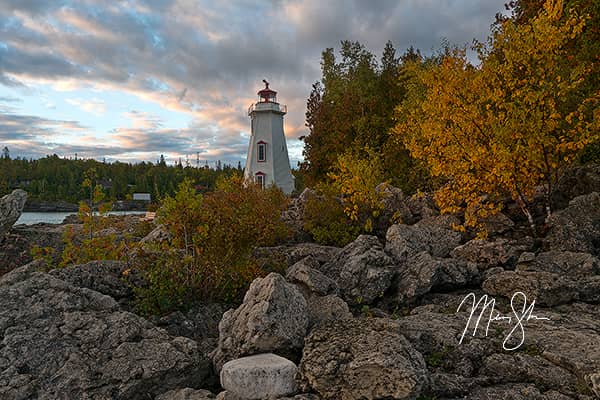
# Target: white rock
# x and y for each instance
(261, 376)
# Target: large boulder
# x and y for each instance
(11, 207)
(423, 273)
(261, 376)
(433, 235)
(362, 270)
(61, 341)
(577, 227)
(272, 318)
(362, 359)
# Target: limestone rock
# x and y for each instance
(575, 182)
(562, 262)
(322, 309)
(362, 270)
(105, 277)
(186, 394)
(11, 207)
(272, 318)
(422, 273)
(577, 227)
(261, 376)
(434, 236)
(362, 359)
(488, 254)
(198, 323)
(305, 272)
(545, 288)
(522, 367)
(64, 341)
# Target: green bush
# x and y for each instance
(327, 223)
(210, 255)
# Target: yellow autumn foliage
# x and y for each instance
(504, 127)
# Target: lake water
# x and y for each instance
(30, 218)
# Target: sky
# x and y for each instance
(130, 80)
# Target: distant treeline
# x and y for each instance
(53, 178)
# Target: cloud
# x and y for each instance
(94, 106)
(207, 59)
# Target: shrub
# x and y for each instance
(326, 221)
(210, 255)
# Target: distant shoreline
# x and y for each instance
(64, 206)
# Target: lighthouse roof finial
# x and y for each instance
(266, 83)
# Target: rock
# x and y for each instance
(434, 236)
(394, 208)
(594, 381)
(11, 207)
(575, 182)
(362, 359)
(423, 273)
(577, 227)
(105, 277)
(261, 376)
(272, 318)
(420, 206)
(198, 323)
(498, 224)
(450, 385)
(562, 262)
(305, 273)
(322, 309)
(64, 341)
(522, 367)
(488, 254)
(545, 288)
(156, 236)
(362, 270)
(506, 392)
(186, 394)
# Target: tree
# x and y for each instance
(352, 106)
(6, 153)
(507, 126)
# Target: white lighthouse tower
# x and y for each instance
(267, 161)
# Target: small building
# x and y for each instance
(267, 161)
(142, 197)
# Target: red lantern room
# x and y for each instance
(267, 95)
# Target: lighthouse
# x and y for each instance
(267, 162)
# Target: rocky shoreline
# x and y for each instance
(386, 317)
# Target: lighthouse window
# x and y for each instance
(260, 180)
(262, 152)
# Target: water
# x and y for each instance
(30, 218)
